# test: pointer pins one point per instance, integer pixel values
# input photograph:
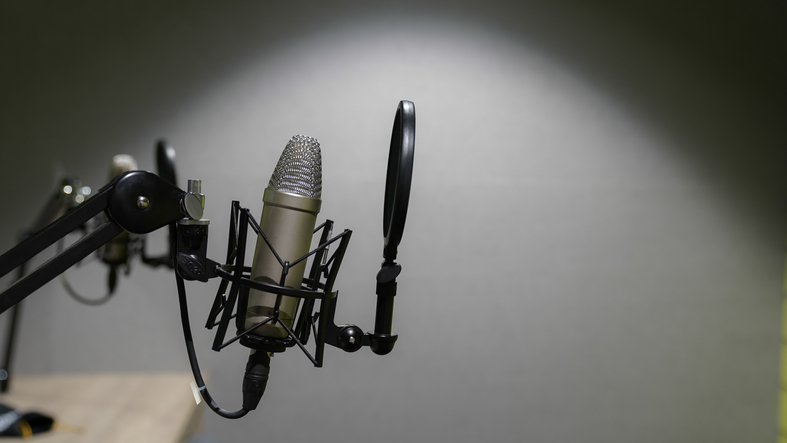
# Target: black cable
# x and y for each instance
(184, 318)
(81, 299)
(73, 293)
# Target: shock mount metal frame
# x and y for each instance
(231, 296)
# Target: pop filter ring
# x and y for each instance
(165, 161)
(398, 178)
(165, 167)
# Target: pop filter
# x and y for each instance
(398, 178)
(165, 165)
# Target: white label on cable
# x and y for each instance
(195, 391)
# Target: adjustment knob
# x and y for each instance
(350, 338)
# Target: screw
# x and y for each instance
(352, 340)
(142, 202)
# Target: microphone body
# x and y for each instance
(288, 222)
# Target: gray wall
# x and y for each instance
(595, 245)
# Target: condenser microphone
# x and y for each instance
(291, 203)
(116, 251)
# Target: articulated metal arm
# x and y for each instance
(138, 202)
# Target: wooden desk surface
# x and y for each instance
(110, 407)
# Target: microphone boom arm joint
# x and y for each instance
(138, 202)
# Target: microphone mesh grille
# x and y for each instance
(299, 170)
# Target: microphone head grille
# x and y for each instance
(299, 170)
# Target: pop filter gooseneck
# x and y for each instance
(398, 178)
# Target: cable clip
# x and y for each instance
(196, 391)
